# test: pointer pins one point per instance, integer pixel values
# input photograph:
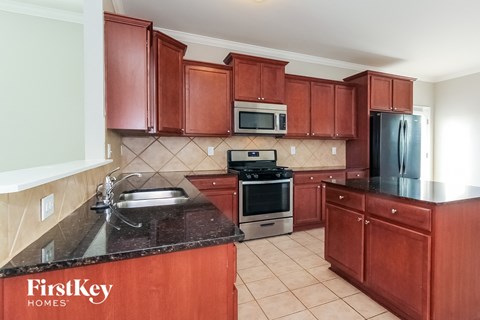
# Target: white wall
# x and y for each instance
(41, 91)
(457, 130)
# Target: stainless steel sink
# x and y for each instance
(151, 198)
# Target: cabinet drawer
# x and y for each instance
(356, 174)
(212, 182)
(317, 177)
(407, 214)
(346, 198)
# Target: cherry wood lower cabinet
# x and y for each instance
(308, 210)
(397, 266)
(418, 259)
(221, 191)
(190, 284)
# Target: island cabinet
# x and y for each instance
(208, 100)
(417, 258)
(308, 188)
(222, 191)
(257, 79)
(319, 108)
(189, 284)
(143, 77)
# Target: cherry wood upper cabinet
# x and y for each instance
(297, 99)
(322, 121)
(208, 100)
(388, 92)
(127, 71)
(143, 77)
(257, 79)
(168, 78)
(319, 108)
(345, 112)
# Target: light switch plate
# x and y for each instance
(48, 252)
(293, 150)
(47, 207)
(210, 151)
(334, 150)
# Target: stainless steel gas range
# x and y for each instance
(265, 193)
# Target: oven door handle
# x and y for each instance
(266, 182)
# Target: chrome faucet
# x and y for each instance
(110, 184)
(105, 195)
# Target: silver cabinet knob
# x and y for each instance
(330, 177)
(359, 219)
(367, 222)
(259, 98)
(313, 133)
(341, 197)
(358, 174)
(234, 193)
(228, 131)
(308, 133)
(394, 211)
(214, 183)
(311, 178)
(318, 187)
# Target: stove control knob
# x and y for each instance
(249, 176)
(278, 175)
(255, 176)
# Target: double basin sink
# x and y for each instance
(141, 198)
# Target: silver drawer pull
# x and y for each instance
(359, 219)
(267, 224)
(367, 222)
(394, 211)
(341, 197)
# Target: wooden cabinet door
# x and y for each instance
(403, 95)
(226, 201)
(398, 266)
(247, 80)
(272, 83)
(307, 204)
(345, 119)
(322, 119)
(169, 85)
(380, 93)
(344, 240)
(297, 99)
(127, 65)
(207, 100)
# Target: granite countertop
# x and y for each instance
(84, 238)
(420, 190)
(300, 169)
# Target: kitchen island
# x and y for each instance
(181, 264)
(411, 245)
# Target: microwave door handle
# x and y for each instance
(277, 121)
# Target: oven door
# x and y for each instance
(263, 200)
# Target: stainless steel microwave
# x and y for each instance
(259, 118)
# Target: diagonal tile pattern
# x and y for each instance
(163, 154)
(281, 278)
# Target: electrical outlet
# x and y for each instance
(293, 150)
(334, 150)
(48, 252)
(47, 206)
(210, 151)
(109, 151)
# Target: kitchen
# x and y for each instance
(188, 153)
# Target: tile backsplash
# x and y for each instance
(167, 154)
(20, 222)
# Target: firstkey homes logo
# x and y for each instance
(44, 294)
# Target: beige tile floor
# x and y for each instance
(287, 278)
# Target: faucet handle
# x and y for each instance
(111, 172)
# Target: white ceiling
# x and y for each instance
(429, 39)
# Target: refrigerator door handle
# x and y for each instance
(405, 147)
(401, 147)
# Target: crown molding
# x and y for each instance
(40, 11)
(457, 75)
(264, 51)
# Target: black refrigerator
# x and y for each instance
(395, 145)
